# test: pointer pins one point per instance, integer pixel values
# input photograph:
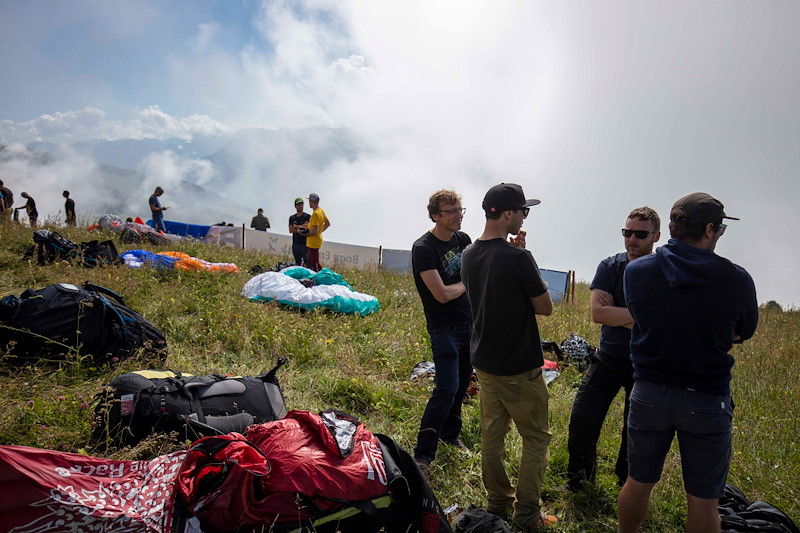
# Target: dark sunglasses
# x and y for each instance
(525, 211)
(640, 233)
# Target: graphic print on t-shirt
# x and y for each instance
(451, 262)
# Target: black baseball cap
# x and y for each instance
(506, 197)
(700, 208)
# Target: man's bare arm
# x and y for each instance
(443, 293)
(542, 304)
(605, 312)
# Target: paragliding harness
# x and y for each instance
(60, 319)
(305, 473)
(49, 246)
(574, 350)
(138, 404)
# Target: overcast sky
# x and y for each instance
(593, 107)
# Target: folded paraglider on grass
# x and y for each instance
(174, 261)
(304, 289)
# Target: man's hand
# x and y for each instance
(518, 240)
(604, 298)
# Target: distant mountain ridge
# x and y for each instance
(245, 165)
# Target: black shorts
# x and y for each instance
(703, 423)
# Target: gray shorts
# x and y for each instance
(703, 424)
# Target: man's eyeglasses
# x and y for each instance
(640, 233)
(525, 211)
(722, 229)
(454, 211)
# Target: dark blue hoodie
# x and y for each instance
(688, 303)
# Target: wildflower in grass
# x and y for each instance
(329, 341)
(30, 403)
(61, 398)
(84, 405)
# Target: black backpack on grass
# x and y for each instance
(49, 246)
(138, 404)
(739, 515)
(61, 320)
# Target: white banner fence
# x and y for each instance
(338, 255)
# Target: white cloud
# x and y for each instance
(91, 123)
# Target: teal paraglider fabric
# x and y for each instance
(329, 291)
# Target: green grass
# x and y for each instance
(362, 364)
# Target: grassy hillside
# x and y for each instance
(362, 365)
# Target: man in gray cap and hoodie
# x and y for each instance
(689, 307)
(506, 292)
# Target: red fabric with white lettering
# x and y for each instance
(57, 492)
(302, 457)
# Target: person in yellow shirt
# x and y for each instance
(316, 225)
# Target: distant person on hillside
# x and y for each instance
(689, 307)
(157, 211)
(7, 202)
(316, 225)
(610, 369)
(436, 264)
(30, 209)
(69, 209)
(506, 291)
(260, 222)
(298, 227)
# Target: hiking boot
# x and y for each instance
(457, 442)
(424, 464)
(544, 521)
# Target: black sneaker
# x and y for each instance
(423, 463)
(457, 442)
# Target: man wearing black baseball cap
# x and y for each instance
(506, 292)
(689, 307)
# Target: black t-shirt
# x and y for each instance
(299, 220)
(501, 279)
(30, 208)
(430, 253)
(69, 206)
(615, 341)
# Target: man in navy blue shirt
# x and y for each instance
(610, 369)
(689, 306)
(157, 210)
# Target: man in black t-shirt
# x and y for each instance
(298, 227)
(69, 209)
(611, 368)
(506, 292)
(7, 202)
(30, 209)
(436, 264)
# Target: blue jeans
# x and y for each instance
(158, 224)
(442, 416)
(300, 253)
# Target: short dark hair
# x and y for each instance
(159, 189)
(647, 214)
(65, 193)
(440, 198)
(682, 230)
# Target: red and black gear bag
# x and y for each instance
(306, 472)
